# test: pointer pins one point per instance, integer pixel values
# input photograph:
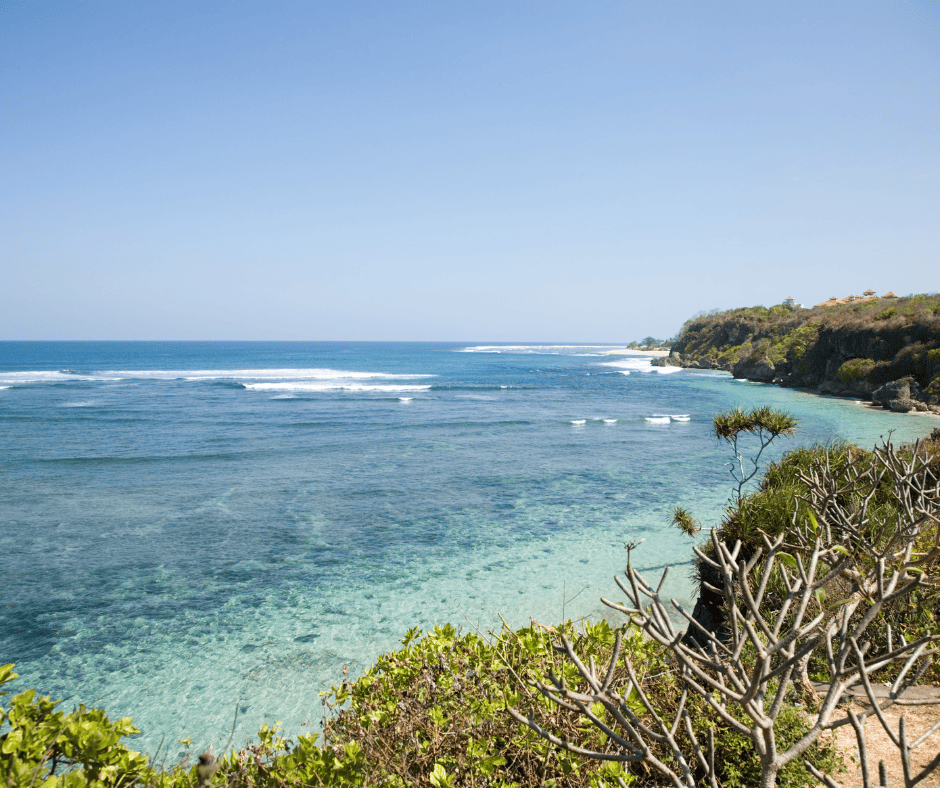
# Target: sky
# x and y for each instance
(460, 169)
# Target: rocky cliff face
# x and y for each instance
(887, 351)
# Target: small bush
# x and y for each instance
(779, 503)
(855, 369)
(887, 314)
(933, 388)
(733, 354)
(793, 345)
(740, 764)
(439, 703)
(42, 746)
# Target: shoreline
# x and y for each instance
(872, 406)
(636, 352)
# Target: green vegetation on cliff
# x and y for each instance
(847, 350)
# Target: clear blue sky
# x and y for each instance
(458, 170)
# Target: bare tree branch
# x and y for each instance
(743, 673)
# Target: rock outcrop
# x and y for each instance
(900, 396)
(891, 356)
(759, 369)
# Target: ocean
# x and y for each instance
(190, 530)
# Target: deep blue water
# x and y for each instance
(187, 528)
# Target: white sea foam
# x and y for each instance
(627, 364)
(263, 374)
(680, 417)
(665, 370)
(566, 350)
(320, 374)
(610, 421)
(333, 385)
(405, 399)
(5, 387)
(578, 422)
(658, 419)
(43, 376)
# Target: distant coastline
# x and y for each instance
(636, 352)
(885, 351)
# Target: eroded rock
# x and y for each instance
(900, 396)
(759, 369)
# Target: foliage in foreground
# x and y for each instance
(42, 746)
(745, 671)
(838, 481)
(438, 707)
(432, 712)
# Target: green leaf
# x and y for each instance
(440, 778)
(7, 674)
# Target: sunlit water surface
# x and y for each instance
(191, 528)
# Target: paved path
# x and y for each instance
(924, 694)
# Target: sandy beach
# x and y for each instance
(873, 406)
(637, 352)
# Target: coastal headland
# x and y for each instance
(882, 350)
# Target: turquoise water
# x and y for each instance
(194, 528)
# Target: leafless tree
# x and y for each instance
(778, 613)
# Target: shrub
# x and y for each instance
(781, 503)
(792, 346)
(933, 388)
(732, 354)
(42, 746)
(439, 703)
(855, 369)
(42, 741)
(887, 314)
(865, 554)
(432, 712)
(739, 765)
(873, 372)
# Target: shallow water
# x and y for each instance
(191, 528)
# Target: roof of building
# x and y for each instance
(852, 299)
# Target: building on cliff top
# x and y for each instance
(854, 299)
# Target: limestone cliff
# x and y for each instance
(884, 350)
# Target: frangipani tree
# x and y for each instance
(822, 588)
